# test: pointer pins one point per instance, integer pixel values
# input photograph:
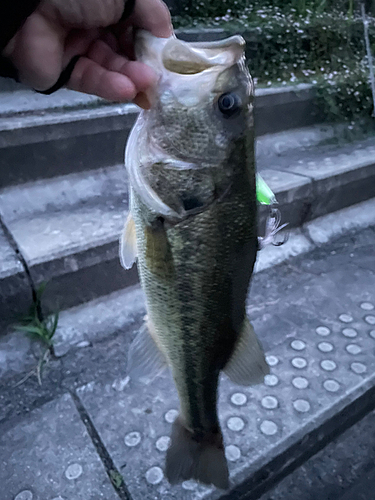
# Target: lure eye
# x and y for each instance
(229, 104)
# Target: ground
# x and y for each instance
(88, 423)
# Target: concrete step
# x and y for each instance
(59, 142)
(324, 178)
(67, 228)
(44, 136)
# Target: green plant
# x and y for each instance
(40, 328)
(212, 8)
(351, 8)
(35, 324)
(347, 95)
(313, 41)
(219, 8)
(116, 478)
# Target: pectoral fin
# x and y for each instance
(128, 244)
(248, 365)
(158, 253)
(145, 360)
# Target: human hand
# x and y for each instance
(61, 29)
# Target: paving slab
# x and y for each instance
(49, 455)
(296, 244)
(18, 353)
(356, 217)
(317, 326)
(280, 143)
(318, 232)
(74, 211)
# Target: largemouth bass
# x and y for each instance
(193, 228)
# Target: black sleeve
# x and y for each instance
(13, 13)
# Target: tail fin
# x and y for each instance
(202, 459)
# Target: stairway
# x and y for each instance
(64, 193)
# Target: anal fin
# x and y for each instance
(248, 365)
(145, 360)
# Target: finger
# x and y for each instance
(38, 52)
(78, 42)
(153, 16)
(142, 76)
(110, 39)
(91, 78)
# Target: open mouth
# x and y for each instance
(189, 59)
(184, 58)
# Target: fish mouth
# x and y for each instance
(179, 65)
(176, 56)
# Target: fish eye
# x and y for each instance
(229, 104)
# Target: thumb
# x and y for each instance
(37, 52)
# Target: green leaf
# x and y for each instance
(41, 289)
(55, 323)
(116, 478)
(29, 329)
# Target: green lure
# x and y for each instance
(264, 194)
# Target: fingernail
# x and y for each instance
(142, 100)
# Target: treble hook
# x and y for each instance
(272, 229)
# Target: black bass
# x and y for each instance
(193, 228)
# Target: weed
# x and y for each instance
(116, 478)
(35, 324)
(40, 328)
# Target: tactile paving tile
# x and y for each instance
(49, 455)
(313, 376)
